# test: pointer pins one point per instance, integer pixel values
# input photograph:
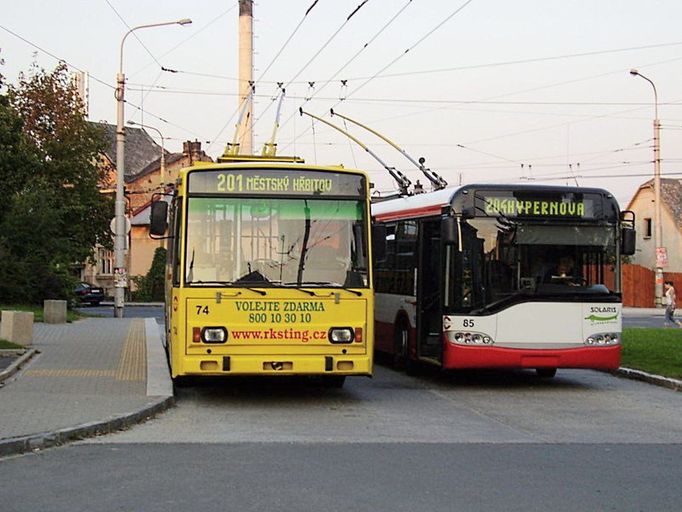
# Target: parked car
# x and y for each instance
(88, 294)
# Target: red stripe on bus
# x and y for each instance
(424, 211)
(598, 358)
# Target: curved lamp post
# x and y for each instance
(658, 226)
(120, 271)
(162, 162)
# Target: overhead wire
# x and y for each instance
(93, 77)
(528, 61)
(193, 35)
(462, 68)
(354, 56)
(419, 41)
(133, 33)
(252, 93)
(315, 55)
(57, 58)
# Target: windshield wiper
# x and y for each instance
(325, 283)
(229, 283)
(309, 292)
(304, 244)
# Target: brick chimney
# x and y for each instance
(192, 149)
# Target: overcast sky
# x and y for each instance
(490, 90)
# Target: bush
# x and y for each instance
(152, 286)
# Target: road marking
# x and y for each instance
(133, 364)
(70, 373)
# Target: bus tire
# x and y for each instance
(401, 349)
(182, 382)
(335, 381)
(545, 373)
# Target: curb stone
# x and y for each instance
(17, 364)
(43, 440)
(666, 382)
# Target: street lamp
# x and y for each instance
(120, 271)
(658, 228)
(162, 168)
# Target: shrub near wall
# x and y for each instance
(151, 287)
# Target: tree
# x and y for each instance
(52, 213)
(152, 286)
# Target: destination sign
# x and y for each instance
(269, 182)
(564, 205)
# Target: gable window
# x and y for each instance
(647, 228)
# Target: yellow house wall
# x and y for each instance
(644, 207)
(141, 251)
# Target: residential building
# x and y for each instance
(143, 178)
(643, 205)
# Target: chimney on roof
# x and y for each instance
(192, 149)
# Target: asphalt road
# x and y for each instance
(130, 311)
(493, 441)
(643, 321)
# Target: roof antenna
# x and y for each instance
(402, 180)
(437, 182)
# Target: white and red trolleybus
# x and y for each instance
(501, 276)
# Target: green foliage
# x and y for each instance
(151, 287)
(657, 351)
(52, 213)
(8, 345)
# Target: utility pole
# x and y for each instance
(661, 253)
(246, 85)
(120, 224)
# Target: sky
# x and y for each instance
(487, 91)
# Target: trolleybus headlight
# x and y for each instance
(603, 338)
(341, 335)
(214, 335)
(470, 338)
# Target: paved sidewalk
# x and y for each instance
(627, 311)
(93, 376)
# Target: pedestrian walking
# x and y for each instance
(670, 304)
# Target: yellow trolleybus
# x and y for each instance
(269, 270)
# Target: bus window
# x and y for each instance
(275, 241)
(502, 261)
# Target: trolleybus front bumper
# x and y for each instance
(276, 365)
(598, 358)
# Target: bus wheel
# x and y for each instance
(182, 382)
(546, 373)
(401, 350)
(401, 345)
(335, 381)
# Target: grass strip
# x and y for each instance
(657, 351)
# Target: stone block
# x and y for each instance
(17, 327)
(54, 311)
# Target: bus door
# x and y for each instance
(429, 310)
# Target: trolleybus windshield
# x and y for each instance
(503, 261)
(276, 241)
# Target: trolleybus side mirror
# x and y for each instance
(448, 231)
(628, 237)
(158, 222)
(379, 242)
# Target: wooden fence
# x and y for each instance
(638, 285)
